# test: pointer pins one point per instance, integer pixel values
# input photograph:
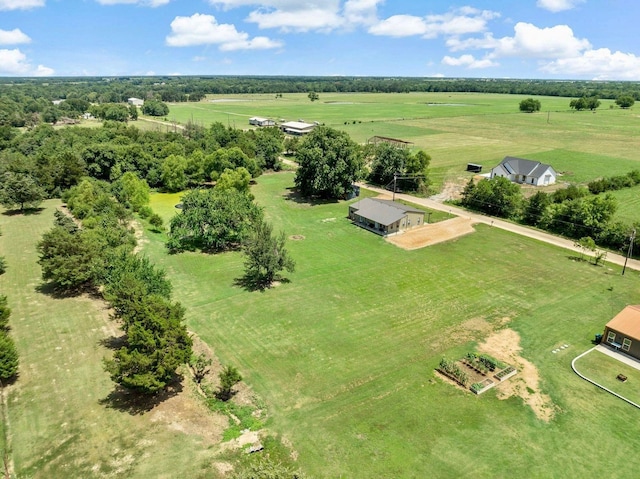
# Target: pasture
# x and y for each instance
(64, 418)
(454, 128)
(343, 355)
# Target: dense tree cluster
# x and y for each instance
(387, 162)
(213, 220)
(573, 211)
(615, 182)
(585, 103)
(329, 163)
(44, 162)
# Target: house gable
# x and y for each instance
(623, 331)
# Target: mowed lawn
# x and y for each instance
(454, 128)
(343, 355)
(61, 421)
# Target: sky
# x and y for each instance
(536, 39)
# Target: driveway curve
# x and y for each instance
(502, 224)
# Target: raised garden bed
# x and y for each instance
(478, 372)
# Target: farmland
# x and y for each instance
(342, 355)
(454, 128)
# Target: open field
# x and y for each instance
(344, 354)
(63, 419)
(454, 128)
(628, 204)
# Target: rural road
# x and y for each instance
(505, 225)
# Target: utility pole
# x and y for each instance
(395, 179)
(629, 251)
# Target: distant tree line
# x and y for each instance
(22, 98)
(573, 211)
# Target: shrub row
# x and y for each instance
(615, 182)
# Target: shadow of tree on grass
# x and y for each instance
(136, 403)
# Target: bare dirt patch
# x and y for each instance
(138, 233)
(427, 235)
(296, 237)
(505, 346)
(186, 413)
(452, 190)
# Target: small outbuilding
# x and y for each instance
(623, 331)
(135, 101)
(520, 170)
(258, 121)
(385, 217)
(297, 128)
(374, 140)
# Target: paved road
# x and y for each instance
(505, 225)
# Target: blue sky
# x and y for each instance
(557, 39)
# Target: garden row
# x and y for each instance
(476, 371)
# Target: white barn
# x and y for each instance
(519, 170)
(258, 121)
(297, 127)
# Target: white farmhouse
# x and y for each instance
(519, 170)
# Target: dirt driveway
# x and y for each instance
(427, 235)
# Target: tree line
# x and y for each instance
(573, 211)
(20, 98)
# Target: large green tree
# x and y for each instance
(329, 163)
(21, 190)
(131, 191)
(265, 256)
(497, 196)
(529, 105)
(8, 357)
(213, 220)
(157, 342)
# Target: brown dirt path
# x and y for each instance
(505, 225)
(427, 235)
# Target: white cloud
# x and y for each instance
(201, 29)
(400, 26)
(468, 61)
(462, 21)
(145, 3)
(13, 37)
(309, 15)
(42, 71)
(558, 5)
(14, 62)
(600, 64)
(297, 20)
(531, 41)
(20, 4)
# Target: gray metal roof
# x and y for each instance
(520, 166)
(385, 212)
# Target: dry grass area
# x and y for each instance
(505, 346)
(427, 235)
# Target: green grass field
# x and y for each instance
(61, 423)
(603, 369)
(343, 355)
(454, 128)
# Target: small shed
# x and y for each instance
(474, 168)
